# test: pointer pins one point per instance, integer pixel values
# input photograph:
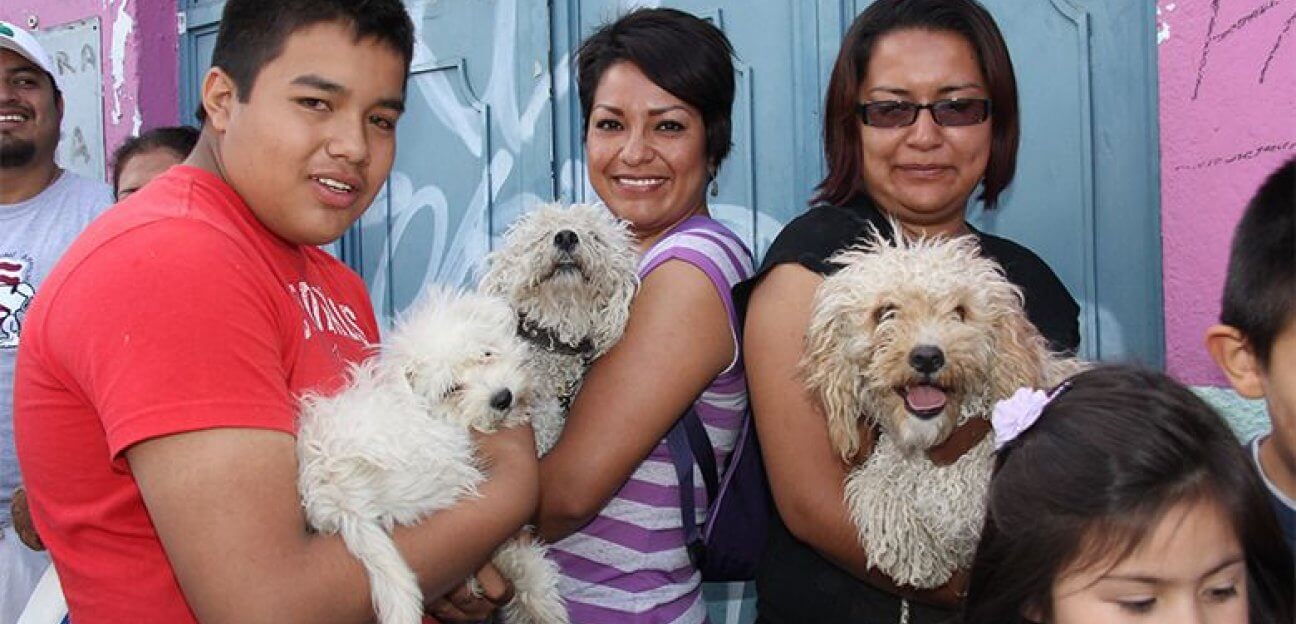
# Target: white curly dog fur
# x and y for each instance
(570, 273)
(394, 447)
(918, 337)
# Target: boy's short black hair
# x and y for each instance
(178, 139)
(1260, 290)
(683, 54)
(252, 32)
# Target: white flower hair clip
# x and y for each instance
(1017, 413)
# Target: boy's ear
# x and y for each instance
(218, 96)
(1235, 357)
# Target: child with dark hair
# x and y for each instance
(144, 157)
(1121, 496)
(156, 404)
(1255, 342)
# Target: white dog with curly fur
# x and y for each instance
(918, 337)
(570, 273)
(394, 447)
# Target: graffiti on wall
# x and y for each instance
(435, 225)
(1227, 89)
(75, 51)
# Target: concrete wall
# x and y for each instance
(139, 52)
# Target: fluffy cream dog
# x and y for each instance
(918, 337)
(570, 273)
(394, 447)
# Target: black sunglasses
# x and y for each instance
(897, 114)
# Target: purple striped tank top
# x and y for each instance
(629, 565)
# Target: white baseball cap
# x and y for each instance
(23, 43)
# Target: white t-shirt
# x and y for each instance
(33, 235)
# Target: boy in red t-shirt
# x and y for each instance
(160, 365)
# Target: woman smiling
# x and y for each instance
(656, 90)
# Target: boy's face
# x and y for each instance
(315, 140)
(1279, 383)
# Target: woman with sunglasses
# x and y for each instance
(921, 110)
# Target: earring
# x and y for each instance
(715, 185)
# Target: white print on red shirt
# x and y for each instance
(325, 315)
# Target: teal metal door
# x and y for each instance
(475, 147)
(1086, 196)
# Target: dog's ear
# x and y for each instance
(611, 320)
(492, 281)
(1022, 357)
(836, 344)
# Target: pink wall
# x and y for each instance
(1228, 117)
(140, 56)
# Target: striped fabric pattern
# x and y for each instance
(629, 565)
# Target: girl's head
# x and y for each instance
(921, 52)
(1128, 500)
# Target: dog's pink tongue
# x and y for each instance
(925, 398)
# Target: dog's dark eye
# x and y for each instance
(960, 313)
(486, 355)
(452, 390)
(885, 313)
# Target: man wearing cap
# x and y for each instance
(42, 209)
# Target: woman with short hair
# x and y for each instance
(656, 91)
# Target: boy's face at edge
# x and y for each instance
(1278, 381)
(316, 138)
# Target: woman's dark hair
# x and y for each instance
(681, 53)
(253, 32)
(966, 18)
(1096, 473)
(178, 139)
(1260, 290)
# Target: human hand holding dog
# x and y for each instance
(22, 520)
(509, 449)
(474, 600)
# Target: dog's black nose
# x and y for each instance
(566, 240)
(926, 359)
(502, 399)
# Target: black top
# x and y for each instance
(795, 585)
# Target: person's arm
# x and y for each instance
(806, 475)
(226, 507)
(676, 342)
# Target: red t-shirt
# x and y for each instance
(177, 311)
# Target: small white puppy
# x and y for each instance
(394, 447)
(570, 273)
